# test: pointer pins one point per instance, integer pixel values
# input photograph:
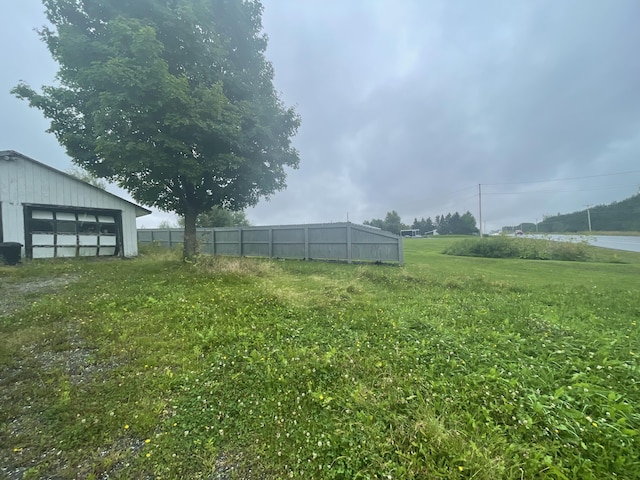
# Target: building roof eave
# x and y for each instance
(12, 154)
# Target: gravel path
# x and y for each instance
(17, 294)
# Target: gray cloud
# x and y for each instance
(410, 104)
(424, 100)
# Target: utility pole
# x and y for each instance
(589, 216)
(480, 206)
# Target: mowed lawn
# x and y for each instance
(447, 367)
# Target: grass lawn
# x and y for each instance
(448, 367)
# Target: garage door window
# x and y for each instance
(71, 234)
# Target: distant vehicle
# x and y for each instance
(519, 233)
(410, 233)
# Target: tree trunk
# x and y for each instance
(190, 238)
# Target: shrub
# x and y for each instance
(525, 248)
(489, 247)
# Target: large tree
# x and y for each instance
(171, 99)
(468, 224)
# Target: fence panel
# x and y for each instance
(328, 241)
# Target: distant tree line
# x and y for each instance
(449, 224)
(623, 216)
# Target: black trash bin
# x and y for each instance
(10, 252)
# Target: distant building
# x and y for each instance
(410, 233)
(53, 214)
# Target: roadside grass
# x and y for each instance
(448, 367)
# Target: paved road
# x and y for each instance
(628, 243)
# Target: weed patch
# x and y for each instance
(527, 248)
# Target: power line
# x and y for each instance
(563, 179)
(560, 191)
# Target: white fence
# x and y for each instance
(328, 241)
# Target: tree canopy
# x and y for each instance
(172, 100)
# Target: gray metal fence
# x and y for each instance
(327, 241)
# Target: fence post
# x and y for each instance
(400, 251)
(213, 241)
(306, 243)
(240, 241)
(270, 242)
(349, 242)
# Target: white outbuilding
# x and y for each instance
(53, 214)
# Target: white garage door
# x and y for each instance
(68, 233)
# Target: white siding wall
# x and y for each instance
(23, 181)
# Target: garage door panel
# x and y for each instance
(67, 240)
(108, 229)
(87, 240)
(42, 215)
(42, 239)
(108, 240)
(43, 252)
(88, 251)
(86, 217)
(43, 226)
(66, 252)
(66, 216)
(66, 226)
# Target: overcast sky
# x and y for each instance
(409, 105)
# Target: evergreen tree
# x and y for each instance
(468, 224)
